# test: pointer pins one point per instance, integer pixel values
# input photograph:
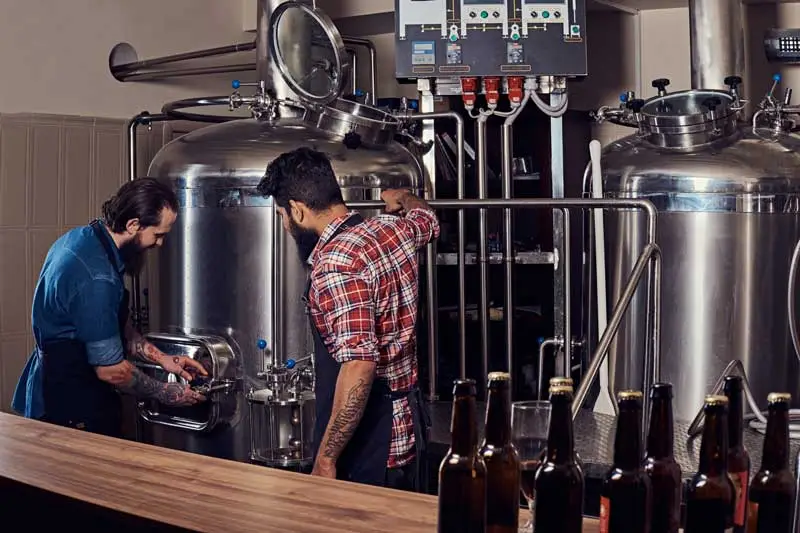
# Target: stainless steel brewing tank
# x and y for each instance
(728, 219)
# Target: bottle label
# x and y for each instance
(740, 484)
(605, 514)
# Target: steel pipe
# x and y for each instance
(462, 247)
(650, 253)
(353, 69)
(542, 352)
(125, 68)
(507, 146)
(172, 109)
(716, 41)
(154, 75)
(483, 252)
(373, 64)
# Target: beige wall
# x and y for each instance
(54, 54)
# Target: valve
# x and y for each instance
(352, 140)
(661, 84)
(262, 344)
(516, 89)
(712, 103)
(469, 87)
(491, 87)
(636, 105)
(733, 82)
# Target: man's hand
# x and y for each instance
(394, 199)
(130, 380)
(324, 467)
(179, 395)
(182, 366)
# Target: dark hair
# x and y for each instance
(143, 199)
(303, 175)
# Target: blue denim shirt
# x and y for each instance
(78, 296)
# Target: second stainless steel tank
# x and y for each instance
(727, 197)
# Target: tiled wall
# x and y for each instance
(55, 173)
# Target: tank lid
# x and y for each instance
(694, 117)
(321, 80)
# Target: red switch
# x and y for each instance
(491, 87)
(516, 89)
(469, 86)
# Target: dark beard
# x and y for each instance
(132, 254)
(305, 240)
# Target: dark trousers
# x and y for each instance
(402, 478)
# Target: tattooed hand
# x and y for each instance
(178, 395)
(143, 386)
(182, 366)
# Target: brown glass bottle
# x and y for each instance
(559, 485)
(773, 488)
(462, 474)
(709, 498)
(738, 458)
(626, 493)
(501, 459)
(660, 464)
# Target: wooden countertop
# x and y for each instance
(201, 493)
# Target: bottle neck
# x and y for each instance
(463, 428)
(714, 449)
(560, 440)
(498, 416)
(776, 441)
(628, 438)
(660, 436)
(735, 418)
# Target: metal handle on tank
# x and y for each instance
(790, 300)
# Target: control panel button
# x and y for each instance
(496, 14)
(545, 14)
(534, 14)
(557, 14)
(472, 14)
(484, 14)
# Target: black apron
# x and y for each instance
(73, 394)
(364, 458)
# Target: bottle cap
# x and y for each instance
(661, 390)
(629, 395)
(716, 399)
(561, 381)
(779, 397)
(499, 376)
(560, 389)
(464, 387)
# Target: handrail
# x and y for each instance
(650, 257)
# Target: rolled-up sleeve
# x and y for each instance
(94, 310)
(344, 301)
(421, 225)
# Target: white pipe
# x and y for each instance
(605, 401)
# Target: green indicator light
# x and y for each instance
(515, 36)
(484, 14)
(453, 37)
(546, 14)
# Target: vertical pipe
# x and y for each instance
(560, 310)
(373, 64)
(294, 26)
(716, 40)
(483, 256)
(353, 69)
(567, 264)
(507, 138)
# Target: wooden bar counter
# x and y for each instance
(58, 477)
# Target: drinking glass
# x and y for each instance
(529, 425)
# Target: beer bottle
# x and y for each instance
(626, 492)
(772, 490)
(710, 496)
(501, 459)
(660, 464)
(559, 485)
(738, 458)
(462, 474)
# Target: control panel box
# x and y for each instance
(453, 38)
(782, 45)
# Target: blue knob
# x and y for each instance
(236, 84)
(541, 340)
(290, 363)
(623, 97)
(262, 344)
(413, 104)
(358, 92)
(776, 77)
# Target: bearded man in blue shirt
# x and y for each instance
(80, 319)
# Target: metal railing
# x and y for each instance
(649, 260)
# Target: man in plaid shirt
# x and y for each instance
(371, 424)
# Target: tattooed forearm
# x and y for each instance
(410, 201)
(138, 347)
(352, 391)
(143, 386)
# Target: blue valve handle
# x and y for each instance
(776, 77)
(623, 97)
(236, 84)
(290, 363)
(262, 344)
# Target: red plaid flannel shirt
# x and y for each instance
(363, 299)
